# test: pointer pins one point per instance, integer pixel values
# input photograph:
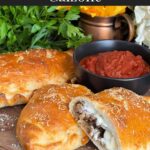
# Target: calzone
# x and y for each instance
(46, 123)
(23, 72)
(114, 119)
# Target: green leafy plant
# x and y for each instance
(23, 27)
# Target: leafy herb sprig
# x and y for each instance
(23, 27)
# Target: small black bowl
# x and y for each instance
(98, 83)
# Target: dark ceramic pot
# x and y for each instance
(98, 83)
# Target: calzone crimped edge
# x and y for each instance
(46, 123)
(114, 119)
(23, 72)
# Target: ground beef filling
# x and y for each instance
(92, 126)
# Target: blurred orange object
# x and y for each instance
(100, 11)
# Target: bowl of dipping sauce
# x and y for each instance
(113, 63)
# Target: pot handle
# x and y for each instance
(130, 25)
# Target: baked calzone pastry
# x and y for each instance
(23, 72)
(115, 119)
(46, 123)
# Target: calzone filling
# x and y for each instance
(95, 126)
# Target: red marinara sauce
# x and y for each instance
(116, 64)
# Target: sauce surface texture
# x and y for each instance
(116, 64)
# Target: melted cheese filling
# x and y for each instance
(95, 126)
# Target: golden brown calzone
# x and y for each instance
(23, 72)
(46, 123)
(115, 119)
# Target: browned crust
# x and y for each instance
(45, 122)
(130, 115)
(22, 72)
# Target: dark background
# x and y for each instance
(48, 2)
